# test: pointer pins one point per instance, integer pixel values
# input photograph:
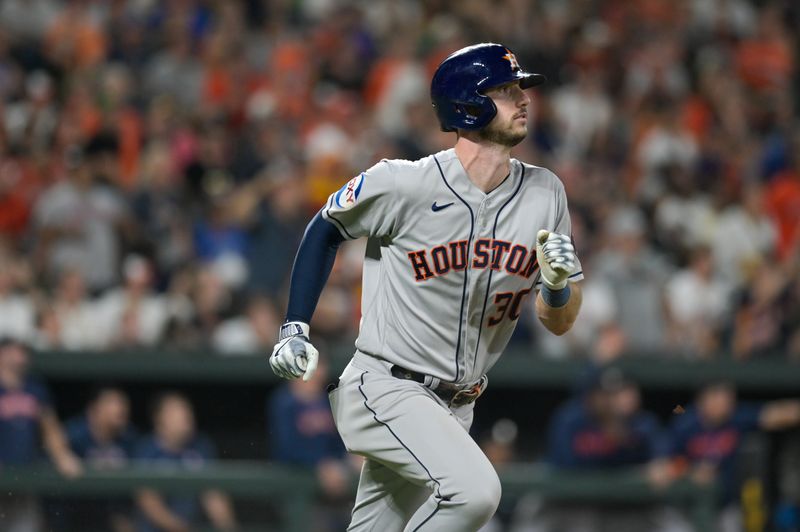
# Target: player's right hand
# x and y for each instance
(294, 355)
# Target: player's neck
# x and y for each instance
(486, 163)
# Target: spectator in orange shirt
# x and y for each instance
(767, 61)
(76, 38)
(783, 204)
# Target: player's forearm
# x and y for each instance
(559, 320)
(312, 266)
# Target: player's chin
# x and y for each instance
(516, 135)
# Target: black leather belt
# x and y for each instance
(452, 394)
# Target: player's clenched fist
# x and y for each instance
(556, 256)
(294, 355)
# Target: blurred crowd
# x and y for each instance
(159, 161)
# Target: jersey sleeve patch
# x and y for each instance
(347, 196)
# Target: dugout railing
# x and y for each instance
(294, 490)
(516, 368)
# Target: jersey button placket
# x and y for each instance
(478, 289)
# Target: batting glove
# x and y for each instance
(294, 355)
(556, 256)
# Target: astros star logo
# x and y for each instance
(511, 58)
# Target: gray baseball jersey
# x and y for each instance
(448, 267)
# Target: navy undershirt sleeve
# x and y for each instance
(312, 266)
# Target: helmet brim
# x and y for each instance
(528, 80)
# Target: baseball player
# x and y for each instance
(457, 243)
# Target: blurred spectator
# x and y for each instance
(636, 275)
(765, 61)
(583, 110)
(596, 332)
(302, 433)
(75, 38)
(174, 70)
(710, 434)
(665, 144)
(16, 308)
(77, 317)
(212, 300)
(744, 239)
(604, 428)
(499, 445)
(249, 334)
(221, 245)
(176, 443)
(28, 19)
(79, 221)
(783, 205)
(133, 315)
(104, 440)
(31, 122)
(759, 319)
(103, 437)
(787, 513)
(28, 423)
(158, 203)
(698, 303)
(712, 16)
(684, 216)
(14, 198)
(273, 208)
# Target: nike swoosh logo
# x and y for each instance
(437, 208)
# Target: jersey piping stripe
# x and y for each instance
(336, 222)
(466, 269)
(438, 496)
(494, 235)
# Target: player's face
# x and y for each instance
(510, 125)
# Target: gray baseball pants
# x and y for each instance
(423, 471)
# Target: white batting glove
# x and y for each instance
(556, 256)
(294, 355)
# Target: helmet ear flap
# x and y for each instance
(472, 110)
(474, 114)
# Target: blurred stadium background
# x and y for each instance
(159, 160)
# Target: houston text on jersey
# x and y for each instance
(486, 253)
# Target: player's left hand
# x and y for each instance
(294, 355)
(556, 256)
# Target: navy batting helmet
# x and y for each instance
(459, 83)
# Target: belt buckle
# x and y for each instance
(467, 395)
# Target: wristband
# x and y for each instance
(293, 328)
(555, 298)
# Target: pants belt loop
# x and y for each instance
(432, 382)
